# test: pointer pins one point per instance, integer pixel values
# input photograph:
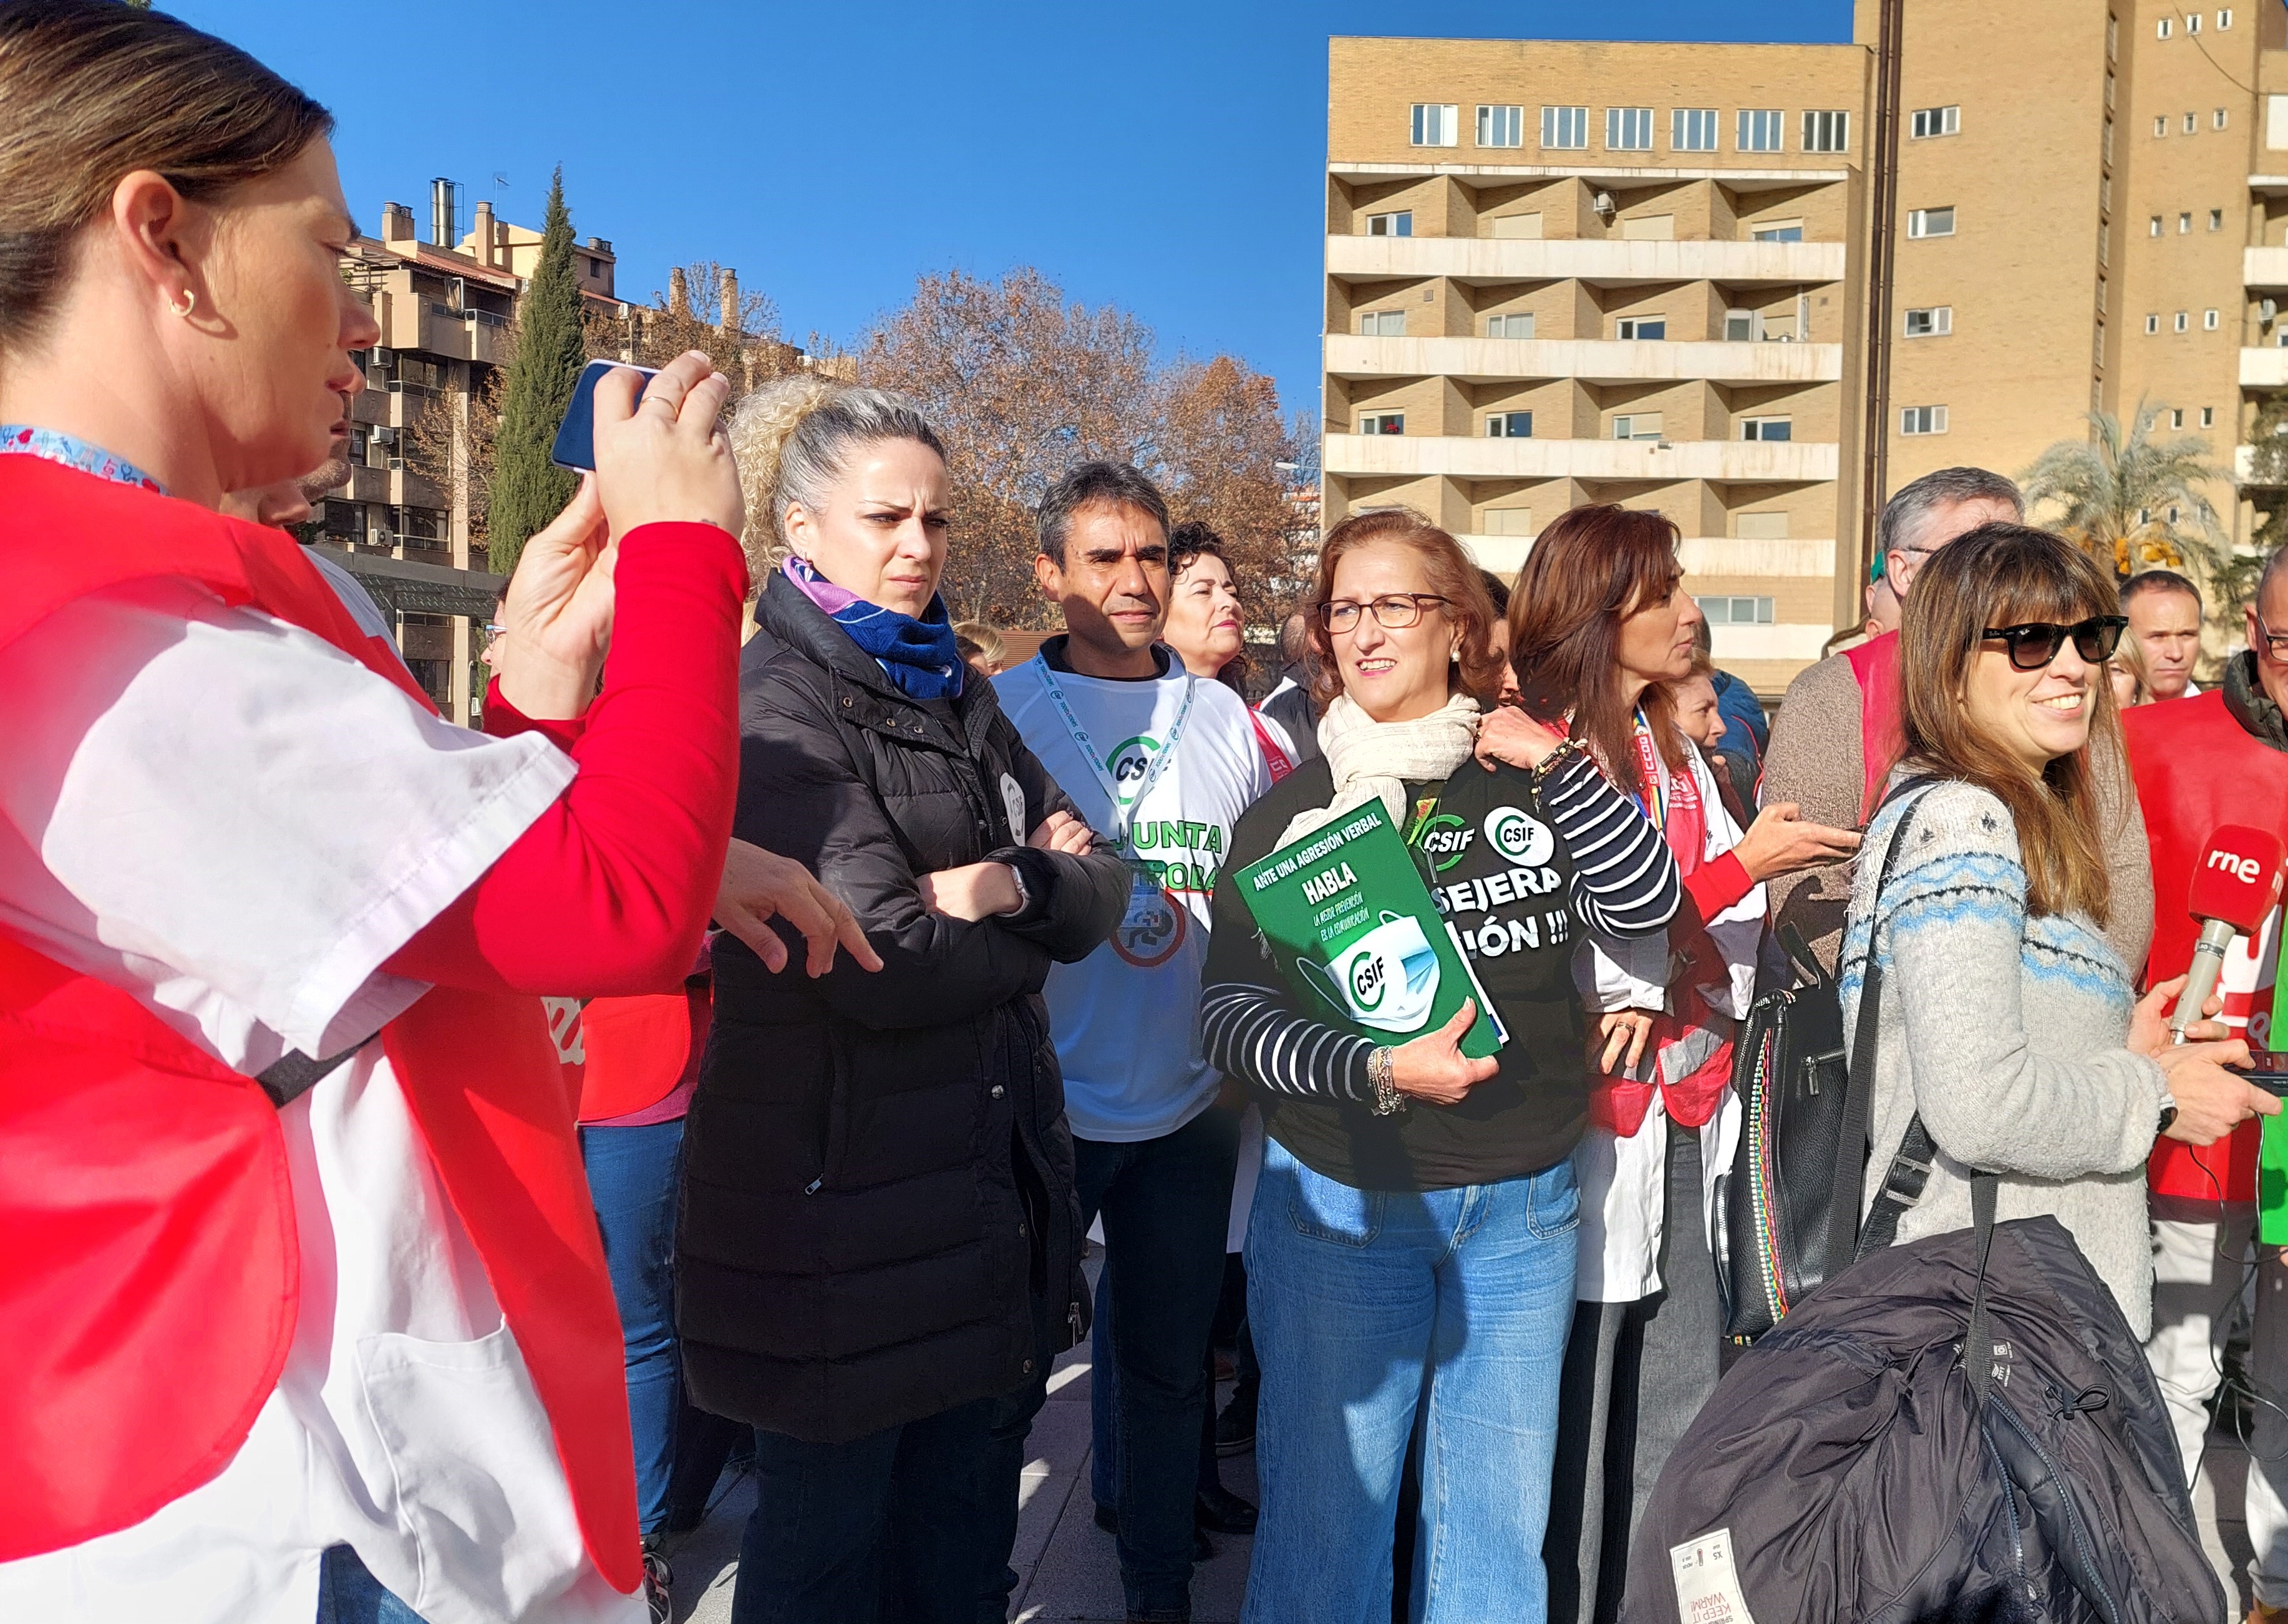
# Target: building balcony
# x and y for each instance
(1611, 262)
(2264, 267)
(1713, 555)
(2263, 366)
(2243, 471)
(1751, 462)
(369, 484)
(1592, 360)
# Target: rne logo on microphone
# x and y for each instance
(2247, 870)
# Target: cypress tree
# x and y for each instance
(529, 490)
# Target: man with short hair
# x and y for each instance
(2165, 616)
(1163, 763)
(1838, 734)
(2216, 758)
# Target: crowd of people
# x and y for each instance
(429, 1156)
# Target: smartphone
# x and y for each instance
(576, 437)
(2267, 1069)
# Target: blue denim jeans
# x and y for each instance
(1366, 1306)
(891, 1526)
(632, 1175)
(348, 1594)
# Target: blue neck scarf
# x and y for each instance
(918, 655)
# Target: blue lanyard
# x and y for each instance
(1123, 819)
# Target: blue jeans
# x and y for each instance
(632, 1175)
(1366, 1306)
(347, 1594)
(890, 1526)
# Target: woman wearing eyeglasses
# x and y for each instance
(2008, 1026)
(1411, 1243)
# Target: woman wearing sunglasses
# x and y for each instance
(1411, 1244)
(2008, 1026)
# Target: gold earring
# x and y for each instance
(190, 302)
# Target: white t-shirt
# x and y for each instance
(1126, 1017)
(233, 821)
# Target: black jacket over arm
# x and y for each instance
(879, 1217)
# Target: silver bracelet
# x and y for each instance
(1380, 1076)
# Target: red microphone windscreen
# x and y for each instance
(2237, 879)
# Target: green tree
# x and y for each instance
(2131, 498)
(528, 489)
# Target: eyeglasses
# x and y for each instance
(2037, 643)
(1394, 612)
(2275, 643)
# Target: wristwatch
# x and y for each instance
(1379, 1073)
(1024, 892)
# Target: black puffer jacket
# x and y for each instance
(879, 1216)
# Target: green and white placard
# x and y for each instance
(1355, 933)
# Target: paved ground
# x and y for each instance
(1071, 1573)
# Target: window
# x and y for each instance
(1693, 129)
(1433, 125)
(1501, 126)
(2160, 126)
(1934, 322)
(1519, 326)
(1509, 425)
(2192, 122)
(2217, 119)
(2208, 320)
(1759, 130)
(2182, 321)
(1930, 222)
(1641, 327)
(1628, 129)
(1637, 425)
(2152, 324)
(1766, 428)
(2112, 37)
(1922, 420)
(1827, 132)
(2166, 28)
(1792, 232)
(1383, 423)
(2208, 413)
(1929, 121)
(2176, 417)
(1565, 129)
(1400, 223)
(2192, 22)
(595, 269)
(2154, 229)
(1508, 521)
(2224, 17)
(2184, 224)
(2216, 219)
(1736, 611)
(1382, 323)
(1743, 327)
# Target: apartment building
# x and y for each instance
(1759, 287)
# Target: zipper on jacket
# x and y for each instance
(2075, 1526)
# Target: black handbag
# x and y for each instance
(1804, 1112)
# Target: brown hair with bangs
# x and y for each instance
(1588, 571)
(2007, 575)
(1449, 573)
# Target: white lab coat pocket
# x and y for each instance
(475, 1473)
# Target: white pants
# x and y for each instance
(2201, 1256)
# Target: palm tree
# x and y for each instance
(2131, 498)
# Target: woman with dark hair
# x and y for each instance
(304, 1312)
(1601, 630)
(2007, 1029)
(1410, 1249)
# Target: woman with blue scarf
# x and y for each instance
(879, 1233)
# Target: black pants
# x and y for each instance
(1166, 1203)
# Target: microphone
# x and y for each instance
(2235, 885)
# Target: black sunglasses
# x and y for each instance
(2036, 644)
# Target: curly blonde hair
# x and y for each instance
(794, 436)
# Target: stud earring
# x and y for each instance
(190, 302)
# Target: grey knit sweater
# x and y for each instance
(2006, 1032)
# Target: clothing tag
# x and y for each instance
(1707, 1585)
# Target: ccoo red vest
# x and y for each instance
(2197, 767)
(149, 1282)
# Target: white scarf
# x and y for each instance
(1375, 760)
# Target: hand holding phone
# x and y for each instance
(576, 436)
(662, 457)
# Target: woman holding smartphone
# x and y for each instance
(1411, 1243)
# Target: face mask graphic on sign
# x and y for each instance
(1387, 980)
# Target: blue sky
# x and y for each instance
(1165, 157)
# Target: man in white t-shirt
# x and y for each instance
(1163, 763)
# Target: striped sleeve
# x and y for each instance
(1624, 877)
(1248, 1032)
